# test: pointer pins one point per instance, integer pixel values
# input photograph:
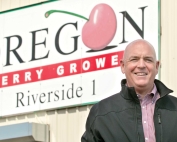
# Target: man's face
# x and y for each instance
(140, 65)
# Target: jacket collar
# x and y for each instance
(130, 94)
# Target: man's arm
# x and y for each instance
(91, 134)
(88, 137)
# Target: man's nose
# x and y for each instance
(141, 63)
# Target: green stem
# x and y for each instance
(48, 13)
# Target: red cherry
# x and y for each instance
(98, 32)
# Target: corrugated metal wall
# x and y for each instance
(67, 125)
(169, 43)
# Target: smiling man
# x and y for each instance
(140, 66)
(142, 111)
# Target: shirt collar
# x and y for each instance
(153, 94)
(129, 92)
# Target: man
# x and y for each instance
(142, 111)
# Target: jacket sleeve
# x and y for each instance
(91, 134)
(88, 137)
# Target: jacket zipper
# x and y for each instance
(137, 124)
(138, 137)
(159, 120)
(160, 123)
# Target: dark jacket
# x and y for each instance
(119, 119)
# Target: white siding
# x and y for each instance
(168, 43)
(66, 125)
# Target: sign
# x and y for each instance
(67, 53)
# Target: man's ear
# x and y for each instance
(157, 65)
(122, 66)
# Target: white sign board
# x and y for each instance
(67, 53)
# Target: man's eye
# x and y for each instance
(133, 60)
(148, 60)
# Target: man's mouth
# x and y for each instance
(141, 74)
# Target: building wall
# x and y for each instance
(168, 43)
(68, 125)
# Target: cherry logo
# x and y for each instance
(99, 31)
(100, 28)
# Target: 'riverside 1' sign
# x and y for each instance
(67, 53)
